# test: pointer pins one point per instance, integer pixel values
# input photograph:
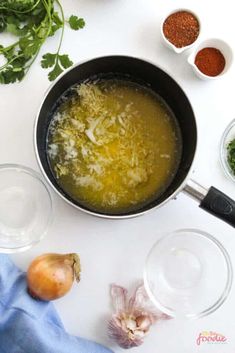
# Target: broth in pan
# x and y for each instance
(113, 145)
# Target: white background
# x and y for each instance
(115, 251)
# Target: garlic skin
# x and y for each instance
(132, 318)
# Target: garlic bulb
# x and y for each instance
(132, 318)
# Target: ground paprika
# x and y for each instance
(210, 61)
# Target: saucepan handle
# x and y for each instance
(213, 201)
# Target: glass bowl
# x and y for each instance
(228, 135)
(188, 274)
(25, 208)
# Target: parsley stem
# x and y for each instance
(62, 30)
(48, 11)
(27, 67)
(6, 49)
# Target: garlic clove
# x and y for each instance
(139, 334)
(143, 322)
(130, 324)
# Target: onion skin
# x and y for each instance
(50, 276)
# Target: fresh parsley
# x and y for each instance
(231, 155)
(32, 22)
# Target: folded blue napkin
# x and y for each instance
(30, 326)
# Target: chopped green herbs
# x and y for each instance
(231, 155)
(33, 21)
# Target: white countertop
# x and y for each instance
(115, 251)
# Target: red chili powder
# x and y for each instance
(210, 61)
(181, 28)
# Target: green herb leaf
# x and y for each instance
(11, 76)
(55, 72)
(48, 60)
(65, 61)
(29, 46)
(2, 23)
(60, 62)
(14, 26)
(2, 78)
(14, 29)
(42, 33)
(76, 23)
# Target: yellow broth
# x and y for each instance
(114, 145)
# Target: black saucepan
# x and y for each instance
(144, 73)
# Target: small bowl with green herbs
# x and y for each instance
(227, 151)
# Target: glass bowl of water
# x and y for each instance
(188, 274)
(25, 208)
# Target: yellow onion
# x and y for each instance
(50, 276)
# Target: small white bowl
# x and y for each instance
(228, 136)
(212, 43)
(166, 41)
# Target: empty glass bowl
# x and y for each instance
(188, 274)
(228, 135)
(25, 208)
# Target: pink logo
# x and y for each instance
(210, 337)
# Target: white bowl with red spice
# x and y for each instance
(180, 29)
(211, 59)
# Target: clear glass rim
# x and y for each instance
(37, 176)
(225, 292)
(223, 156)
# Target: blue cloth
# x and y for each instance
(30, 326)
